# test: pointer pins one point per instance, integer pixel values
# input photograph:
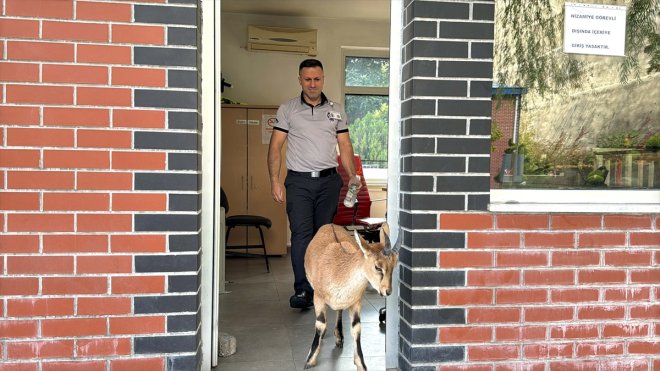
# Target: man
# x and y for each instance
(313, 127)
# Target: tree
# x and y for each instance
(528, 44)
(369, 135)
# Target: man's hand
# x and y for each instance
(355, 180)
(277, 191)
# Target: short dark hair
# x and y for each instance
(307, 63)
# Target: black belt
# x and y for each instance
(315, 174)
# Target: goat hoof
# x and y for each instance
(339, 343)
(309, 365)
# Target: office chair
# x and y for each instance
(255, 221)
(359, 216)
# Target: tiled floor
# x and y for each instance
(271, 336)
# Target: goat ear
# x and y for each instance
(359, 243)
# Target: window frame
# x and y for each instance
(375, 177)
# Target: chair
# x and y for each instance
(359, 216)
(255, 221)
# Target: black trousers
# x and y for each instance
(310, 204)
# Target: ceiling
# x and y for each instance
(376, 10)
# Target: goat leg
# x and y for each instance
(339, 333)
(319, 309)
(356, 331)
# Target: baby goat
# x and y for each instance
(339, 267)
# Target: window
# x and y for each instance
(575, 134)
(366, 91)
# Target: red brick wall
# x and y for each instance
(564, 291)
(70, 159)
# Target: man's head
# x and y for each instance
(310, 77)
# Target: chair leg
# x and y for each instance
(263, 245)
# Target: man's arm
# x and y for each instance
(277, 140)
(347, 157)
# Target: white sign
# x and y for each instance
(267, 124)
(595, 29)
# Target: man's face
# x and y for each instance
(311, 81)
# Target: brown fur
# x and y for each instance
(339, 269)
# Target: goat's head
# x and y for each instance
(380, 261)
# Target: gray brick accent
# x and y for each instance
(184, 242)
(165, 182)
(479, 164)
(185, 202)
(435, 126)
(438, 240)
(181, 36)
(183, 161)
(451, 107)
(165, 14)
(183, 120)
(433, 164)
(166, 263)
(482, 50)
(465, 30)
(165, 344)
(443, 278)
(183, 323)
(165, 98)
(446, 88)
(188, 283)
(439, 316)
(421, 335)
(480, 89)
(438, 49)
(483, 12)
(468, 146)
(433, 354)
(166, 222)
(440, 10)
(426, 259)
(459, 184)
(165, 140)
(165, 304)
(165, 56)
(417, 183)
(184, 363)
(182, 79)
(420, 29)
(466, 69)
(420, 68)
(183, 1)
(420, 221)
(433, 202)
(418, 297)
(479, 127)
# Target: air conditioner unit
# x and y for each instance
(282, 39)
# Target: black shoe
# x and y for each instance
(302, 299)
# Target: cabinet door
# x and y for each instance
(234, 158)
(260, 201)
(233, 172)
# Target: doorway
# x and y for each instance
(265, 87)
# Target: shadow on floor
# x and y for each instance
(271, 336)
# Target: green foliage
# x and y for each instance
(528, 44)
(620, 139)
(544, 156)
(365, 71)
(369, 135)
(653, 143)
(495, 134)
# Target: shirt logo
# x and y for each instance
(334, 116)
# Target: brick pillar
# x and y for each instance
(445, 151)
(99, 185)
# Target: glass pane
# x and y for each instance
(368, 118)
(366, 71)
(572, 121)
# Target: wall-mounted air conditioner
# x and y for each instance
(282, 39)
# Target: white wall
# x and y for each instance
(268, 78)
